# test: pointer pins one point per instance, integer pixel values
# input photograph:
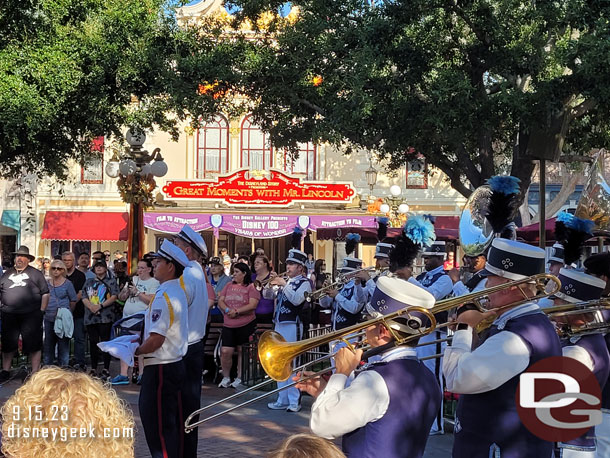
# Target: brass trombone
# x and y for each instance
(596, 325)
(339, 283)
(276, 355)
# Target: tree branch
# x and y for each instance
(583, 108)
(313, 106)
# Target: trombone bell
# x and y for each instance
(276, 355)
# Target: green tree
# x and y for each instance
(479, 87)
(71, 70)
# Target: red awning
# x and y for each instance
(531, 233)
(98, 226)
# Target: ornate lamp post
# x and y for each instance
(136, 169)
(371, 178)
(395, 206)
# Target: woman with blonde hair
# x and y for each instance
(66, 405)
(61, 296)
(306, 446)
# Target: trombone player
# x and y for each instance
(589, 349)
(487, 376)
(386, 408)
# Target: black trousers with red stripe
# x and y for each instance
(191, 393)
(161, 409)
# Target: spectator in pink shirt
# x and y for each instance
(237, 301)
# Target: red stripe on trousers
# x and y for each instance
(160, 411)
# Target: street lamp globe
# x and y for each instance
(159, 167)
(135, 137)
(403, 208)
(146, 170)
(395, 190)
(128, 167)
(112, 169)
(384, 208)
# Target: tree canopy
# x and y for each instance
(478, 87)
(71, 70)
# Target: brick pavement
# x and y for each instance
(247, 432)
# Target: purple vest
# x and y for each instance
(415, 398)
(287, 311)
(343, 318)
(493, 414)
(597, 349)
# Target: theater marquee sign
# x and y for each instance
(264, 188)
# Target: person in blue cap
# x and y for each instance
(164, 344)
(385, 408)
(194, 281)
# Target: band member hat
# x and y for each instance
(171, 252)
(513, 260)
(392, 294)
(194, 239)
(557, 253)
(216, 260)
(24, 251)
(578, 286)
(296, 256)
(350, 264)
(438, 248)
(382, 250)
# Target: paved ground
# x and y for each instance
(247, 432)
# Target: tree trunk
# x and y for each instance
(567, 187)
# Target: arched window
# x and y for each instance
(256, 150)
(213, 147)
(305, 164)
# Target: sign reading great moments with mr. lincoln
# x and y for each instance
(249, 187)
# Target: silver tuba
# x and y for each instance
(475, 232)
(594, 203)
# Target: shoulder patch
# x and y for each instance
(156, 314)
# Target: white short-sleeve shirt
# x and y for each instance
(167, 316)
(197, 297)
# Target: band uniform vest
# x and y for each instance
(493, 414)
(606, 388)
(343, 318)
(402, 431)
(595, 345)
(287, 311)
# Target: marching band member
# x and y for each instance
(487, 376)
(474, 264)
(382, 255)
(290, 301)
(556, 259)
(164, 344)
(599, 265)
(589, 349)
(193, 280)
(347, 303)
(387, 408)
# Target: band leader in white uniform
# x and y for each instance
(164, 344)
(290, 301)
(194, 282)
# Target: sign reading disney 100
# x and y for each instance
(255, 187)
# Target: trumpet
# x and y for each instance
(262, 284)
(276, 355)
(340, 282)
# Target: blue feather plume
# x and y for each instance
(581, 225)
(564, 217)
(351, 240)
(420, 230)
(504, 184)
(572, 232)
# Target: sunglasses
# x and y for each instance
(57, 268)
(97, 259)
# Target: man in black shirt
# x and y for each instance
(23, 291)
(78, 280)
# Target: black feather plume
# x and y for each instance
(574, 233)
(404, 252)
(503, 203)
(351, 241)
(297, 235)
(561, 232)
(382, 228)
